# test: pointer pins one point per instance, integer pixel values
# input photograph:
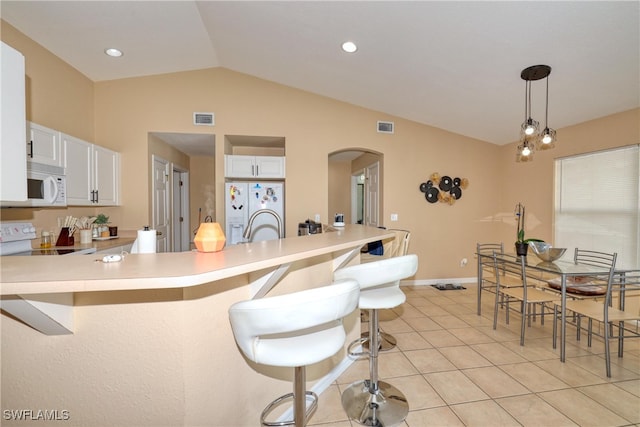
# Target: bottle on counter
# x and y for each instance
(45, 240)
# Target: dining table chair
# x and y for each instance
(527, 296)
(608, 311)
(486, 272)
(487, 276)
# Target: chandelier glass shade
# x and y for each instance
(525, 151)
(530, 134)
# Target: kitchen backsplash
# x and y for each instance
(47, 219)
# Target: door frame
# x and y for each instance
(370, 206)
(355, 181)
(180, 203)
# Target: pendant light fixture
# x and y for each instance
(548, 136)
(529, 131)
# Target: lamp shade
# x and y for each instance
(210, 237)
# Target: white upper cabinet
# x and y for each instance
(106, 175)
(43, 146)
(13, 162)
(93, 173)
(254, 167)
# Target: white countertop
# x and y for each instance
(50, 274)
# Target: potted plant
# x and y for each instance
(522, 244)
(102, 226)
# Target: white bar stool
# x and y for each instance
(294, 330)
(372, 402)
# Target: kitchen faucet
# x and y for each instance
(247, 232)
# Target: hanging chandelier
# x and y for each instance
(530, 136)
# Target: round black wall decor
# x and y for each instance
(443, 189)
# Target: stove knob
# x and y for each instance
(32, 229)
(25, 230)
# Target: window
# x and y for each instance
(597, 203)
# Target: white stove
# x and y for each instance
(15, 239)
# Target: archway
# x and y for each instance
(355, 185)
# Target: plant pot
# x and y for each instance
(521, 248)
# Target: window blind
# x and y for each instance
(597, 203)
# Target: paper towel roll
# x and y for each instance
(145, 243)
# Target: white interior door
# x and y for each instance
(372, 194)
(161, 203)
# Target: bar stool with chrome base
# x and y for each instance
(373, 402)
(294, 330)
(399, 247)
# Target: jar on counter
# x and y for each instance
(46, 240)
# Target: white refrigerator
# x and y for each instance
(242, 199)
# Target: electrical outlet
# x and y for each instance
(317, 218)
(463, 262)
(394, 217)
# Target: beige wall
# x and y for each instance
(58, 96)
(124, 112)
(339, 191)
(201, 189)
(533, 183)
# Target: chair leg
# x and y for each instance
(386, 341)
(299, 396)
(506, 302)
(607, 354)
(495, 310)
(555, 326)
(373, 402)
(578, 327)
(523, 311)
(620, 338)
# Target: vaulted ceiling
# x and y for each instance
(451, 64)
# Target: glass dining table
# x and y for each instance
(536, 269)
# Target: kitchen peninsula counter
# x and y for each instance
(147, 341)
(38, 275)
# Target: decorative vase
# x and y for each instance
(209, 237)
(521, 248)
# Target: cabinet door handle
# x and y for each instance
(31, 149)
(253, 170)
(97, 198)
(257, 171)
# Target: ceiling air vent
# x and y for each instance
(203, 119)
(385, 127)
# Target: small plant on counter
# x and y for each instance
(102, 229)
(101, 219)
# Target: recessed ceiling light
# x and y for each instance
(113, 52)
(349, 47)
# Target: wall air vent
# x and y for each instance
(203, 119)
(385, 127)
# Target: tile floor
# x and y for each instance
(455, 370)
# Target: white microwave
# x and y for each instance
(46, 186)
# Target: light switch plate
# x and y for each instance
(394, 217)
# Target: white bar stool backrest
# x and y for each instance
(296, 329)
(376, 273)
